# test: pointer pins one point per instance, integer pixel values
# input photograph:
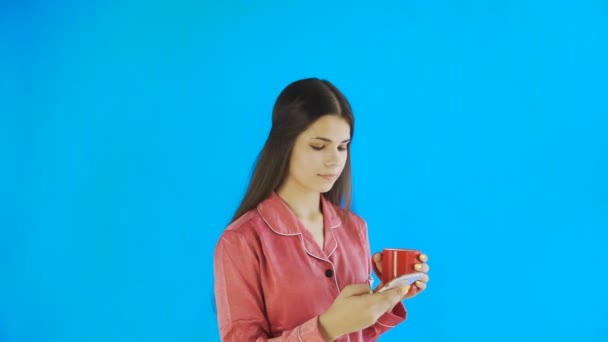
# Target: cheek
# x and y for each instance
(303, 164)
(343, 158)
(310, 159)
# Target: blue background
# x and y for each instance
(128, 132)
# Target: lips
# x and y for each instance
(329, 177)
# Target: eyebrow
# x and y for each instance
(329, 140)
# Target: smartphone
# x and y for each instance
(404, 280)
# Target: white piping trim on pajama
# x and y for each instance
(312, 255)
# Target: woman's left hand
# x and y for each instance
(419, 285)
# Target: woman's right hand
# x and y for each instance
(357, 308)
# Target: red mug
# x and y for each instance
(397, 262)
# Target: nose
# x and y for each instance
(332, 158)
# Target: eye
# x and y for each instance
(342, 148)
(317, 148)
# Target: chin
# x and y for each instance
(325, 189)
(321, 187)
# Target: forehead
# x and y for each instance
(329, 126)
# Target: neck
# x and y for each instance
(305, 204)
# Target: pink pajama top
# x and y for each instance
(272, 280)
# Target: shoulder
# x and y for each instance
(350, 216)
(351, 220)
(240, 233)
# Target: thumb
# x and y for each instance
(395, 295)
(377, 257)
(355, 290)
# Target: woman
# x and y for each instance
(294, 265)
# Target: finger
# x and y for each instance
(378, 257)
(355, 290)
(413, 292)
(420, 285)
(423, 257)
(378, 261)
(394, 296)
(425, 278)
(422, 267)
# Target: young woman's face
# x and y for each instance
(319, 154)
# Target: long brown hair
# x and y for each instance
(298, 106)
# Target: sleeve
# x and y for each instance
(390, 319)
(239, 297)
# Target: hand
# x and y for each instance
(423, 267)
(357, 308)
